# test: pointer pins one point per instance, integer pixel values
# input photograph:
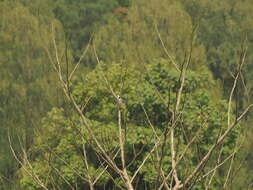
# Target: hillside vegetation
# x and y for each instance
(126, 94)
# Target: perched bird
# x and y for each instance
(119, 100)
(122, 108)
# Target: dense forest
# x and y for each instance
(126, 94)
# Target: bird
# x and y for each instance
(119, 100)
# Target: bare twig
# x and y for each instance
(165, 49)
(215, 145)
(31, 174)
(82, 56)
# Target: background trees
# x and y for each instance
(139, 43)
(26, 92)
(203, 113)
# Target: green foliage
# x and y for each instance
(222, 27)
(80, 19)
(85, 17)
(201, 111)
(25, 82)
(135, 38)
(137, 67)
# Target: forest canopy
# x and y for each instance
(123, 94)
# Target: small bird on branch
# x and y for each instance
(119, 100)
(121, 103)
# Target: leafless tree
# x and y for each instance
(169, 180)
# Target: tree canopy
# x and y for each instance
(182, 69)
